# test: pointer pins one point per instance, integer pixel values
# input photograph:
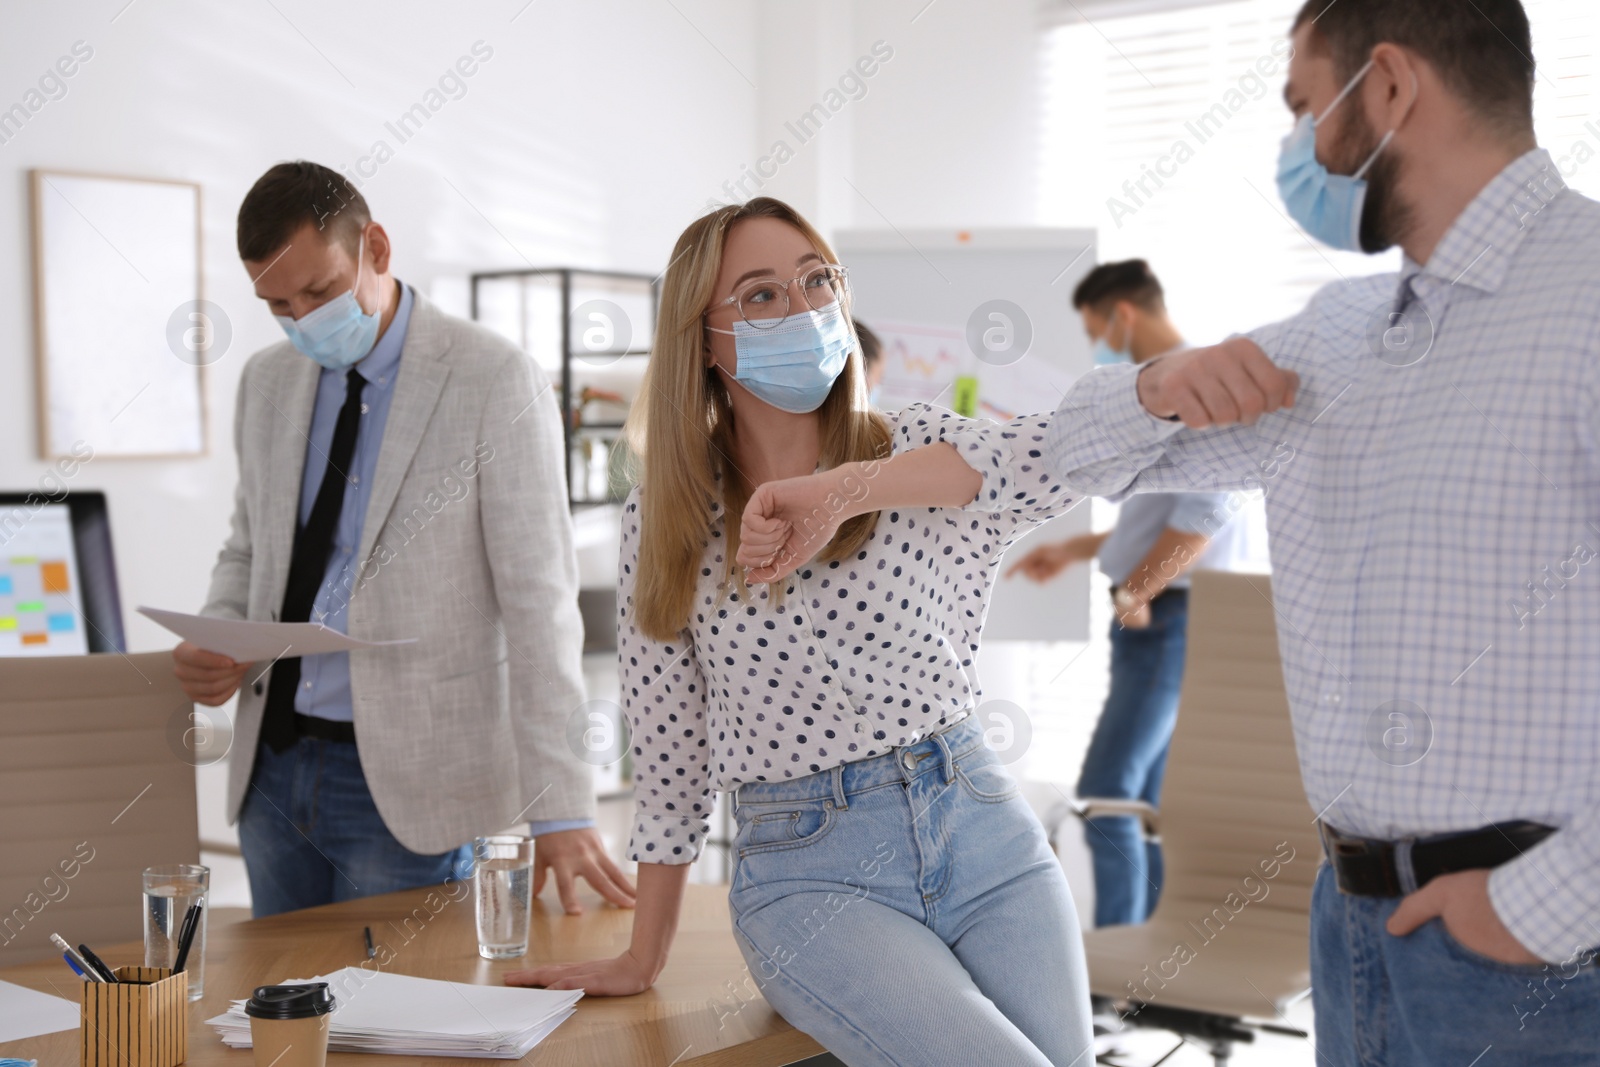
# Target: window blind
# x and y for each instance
(1161, 130)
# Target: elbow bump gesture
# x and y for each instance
(1223, 385)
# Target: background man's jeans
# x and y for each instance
(1128, 756)
(1425, 1000)
(311, 834)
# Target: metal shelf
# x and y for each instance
(576, 435)
(586, 355)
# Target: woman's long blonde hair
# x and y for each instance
(680, 429)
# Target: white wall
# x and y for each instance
(590, 136)
(952, 138)
(943, 133)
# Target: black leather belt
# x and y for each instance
(1371, 867)
(1167, 592)
(324, 729)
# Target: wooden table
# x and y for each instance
(704, 1011)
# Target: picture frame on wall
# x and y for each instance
(122, 332)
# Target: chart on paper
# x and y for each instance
(41, 606)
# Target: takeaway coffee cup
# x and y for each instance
(289, 1024)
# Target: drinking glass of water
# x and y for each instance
(503, 875)
(168, 891)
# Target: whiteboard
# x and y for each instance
(991, 308)
(118, 309)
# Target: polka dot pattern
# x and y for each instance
(858, 656)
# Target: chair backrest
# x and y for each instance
(1232, 806)
(97, 787)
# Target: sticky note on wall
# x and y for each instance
(54, 576)
(965, 400)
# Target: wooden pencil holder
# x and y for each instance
(140, 1021)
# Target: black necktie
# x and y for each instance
(308, 565)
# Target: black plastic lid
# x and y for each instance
(290, 1001)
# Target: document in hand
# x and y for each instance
(401, 1015)
(252, 642)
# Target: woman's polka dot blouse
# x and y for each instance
(859, 656)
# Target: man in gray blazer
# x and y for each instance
(400, 476)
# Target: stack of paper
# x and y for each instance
(401, 1015)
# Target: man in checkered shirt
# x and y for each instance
(1429, 444)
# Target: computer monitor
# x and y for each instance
(58, 576)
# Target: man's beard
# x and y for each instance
(1385, 218)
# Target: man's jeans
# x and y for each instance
(311, 834)
(1426, 1000)
(1128, 756)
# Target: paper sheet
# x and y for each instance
(251, 642)
(921, 362)
(27, 1012)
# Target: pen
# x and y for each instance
(74, 967)
(77, 961)
(97, 963)
(371, 952)
(191, 922)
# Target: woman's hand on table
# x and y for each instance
(654, 925)
(621, 976)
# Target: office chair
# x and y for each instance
(97, 784)
(1227, 948)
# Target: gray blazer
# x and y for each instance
(467, 545)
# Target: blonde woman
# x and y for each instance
(893, 894)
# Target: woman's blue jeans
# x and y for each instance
(906, 910)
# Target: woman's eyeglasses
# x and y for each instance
(764, 302)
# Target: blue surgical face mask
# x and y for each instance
(337, 335)
(1106, 356)
(793, 364)
(1328, 206)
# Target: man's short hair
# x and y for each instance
(289, 196)
(1482, 49)
(871, 347)
(1131, 280)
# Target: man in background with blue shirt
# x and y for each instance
(1158, 538)
(400, 476)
